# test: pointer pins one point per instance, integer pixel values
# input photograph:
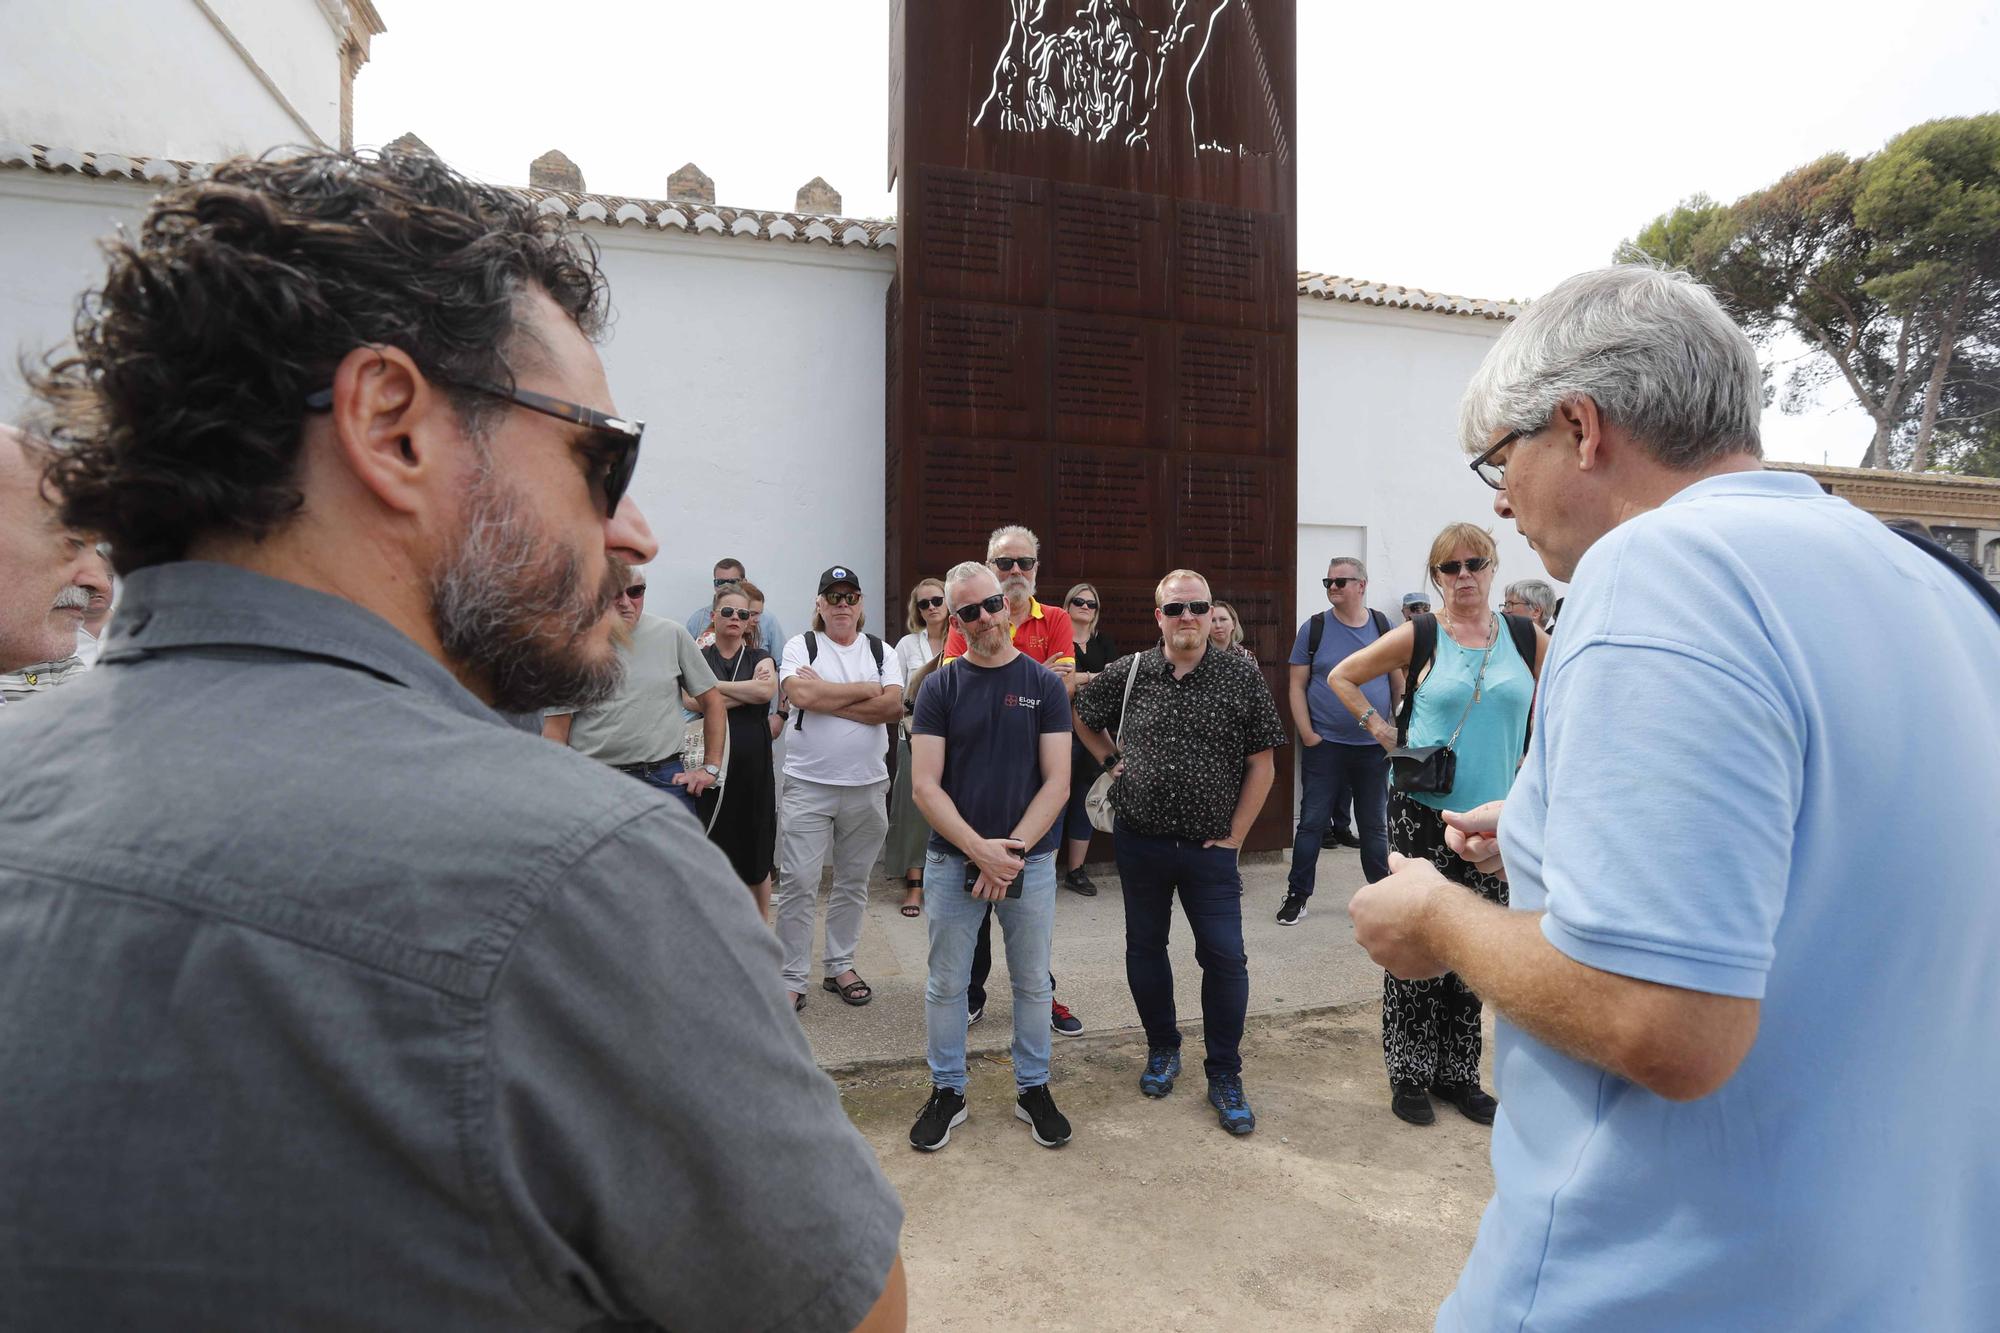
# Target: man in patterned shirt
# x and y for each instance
(1194, 759)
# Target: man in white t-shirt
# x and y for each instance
(844, 689)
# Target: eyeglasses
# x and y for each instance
(1418, 608)
(733, 578)
(1006, 563)
(1173, 610)
(636, 591)
(1492, 473)
(1083, 602)
(926, 603)
(1450, 568)
(614, 448)
(1339, 583)
(1513, 601)
(992, 606)
(735, 613)
(841, 598)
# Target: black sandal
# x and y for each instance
(912, 909)
(856, 992)
(798, 1002)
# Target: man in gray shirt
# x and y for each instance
(326, 998)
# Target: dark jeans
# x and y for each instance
(1211, 892)
(1330, 772)
(662, 775)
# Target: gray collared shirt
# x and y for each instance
(329, 1001)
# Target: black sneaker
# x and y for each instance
(1080, 881)
(943, 1113)
(1329, 841)
(1062, 1022)
(974, 1015)
(1473, 1101)
(1346, 838)
(1410, 1103)
(1046, 1123)
(1293, 911)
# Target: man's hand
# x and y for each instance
(806, 673)
(999, 861)
(1391, 914)
(1475, 837)
(696, 781)
(1309, 738)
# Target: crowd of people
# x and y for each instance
(291, 910)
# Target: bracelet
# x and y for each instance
(1362, 721)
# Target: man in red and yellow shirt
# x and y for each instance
(1045, 634)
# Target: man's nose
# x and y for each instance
(1501, 505)
(628, 536)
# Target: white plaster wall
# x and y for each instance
(1378, 443)
(51, 224)
(86, 74)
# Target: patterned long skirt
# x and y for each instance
(1430, 1029)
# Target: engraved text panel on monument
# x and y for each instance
(960, 484)
(983, 236)
(1223, 512)
(1108, 380)
(982, 370)
(1223, 395)
(1106, 512)
(1110, 251)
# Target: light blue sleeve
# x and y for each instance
(1668, 843)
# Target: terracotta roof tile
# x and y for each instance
(1360, 291)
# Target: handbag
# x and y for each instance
(694, 745)
(1097, 801)
(1433, 769)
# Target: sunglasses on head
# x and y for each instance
(995, 605)
(1450, 568)
(1173, 610)
(926, 603)
(735, 613)
(1006, 563)
(1084, 602)
(842, 598)
(612, 446)
(636, 591)
(1340, 582)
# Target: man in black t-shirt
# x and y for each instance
(989, 769)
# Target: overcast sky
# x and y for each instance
(1480, 149)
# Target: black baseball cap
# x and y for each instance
(839, 574)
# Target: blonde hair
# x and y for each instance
(1454, 536)
(916, 618)
(1235, 622)
(1160, 588)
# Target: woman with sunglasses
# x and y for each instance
(1094, 652)
(746, 825)
(909, 833)
(1474, 694)
(1225, 631)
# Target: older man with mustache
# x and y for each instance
(49, 578)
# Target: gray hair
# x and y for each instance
(1535, 593)
(963, 570)
(1012, 530)
(1652, 348)
(1351, 562)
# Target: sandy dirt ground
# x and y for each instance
(1334, 1215)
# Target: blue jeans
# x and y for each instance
(1211, 891)
(1330, 771)
(663, 778)
(1026, 924)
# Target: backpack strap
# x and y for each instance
(1313, 637)
(1381, 622)
(812, 655)
(1951, 560)
(1422, 651)
(875, 647)
(1522, 628)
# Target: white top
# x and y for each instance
(831, 749)
(912, 653)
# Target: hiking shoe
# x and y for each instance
(974, 1015)
(1079, 880)
(1062, 1022)
(1410, 1103)
(943, 1113)
(1473, 1101)
(1047, 1124)
(1292, 911)
(1163, 1066)
(1225, 1094)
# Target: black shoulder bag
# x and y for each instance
(1434, 768)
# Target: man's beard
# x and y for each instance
(989, 639)
(1188, 638)
(1017, 587)
(509, 604)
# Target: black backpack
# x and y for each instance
(1519, 628)
(812, 655)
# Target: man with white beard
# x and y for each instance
(49, 577)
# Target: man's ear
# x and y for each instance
(393, 430)
(1582, 424)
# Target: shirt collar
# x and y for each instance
(1034, 609)
(1762, 482)
(200, 604)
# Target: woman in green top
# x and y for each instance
(1474, 694)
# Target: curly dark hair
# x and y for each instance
(178, 410)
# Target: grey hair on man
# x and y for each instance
(964, 571)
(1012, 530)
(1537, 596)
(1360, 570)
(1651, 347)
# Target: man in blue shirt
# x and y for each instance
(1339, 761)
(1745, 1068)
(770, 634)
(989, 768)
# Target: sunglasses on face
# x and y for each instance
(736, 613)
(1340, 583)
(1173, 610)
(841, 598)
(927, 603)
(1007, 563)
(1084, 602)
(612, 445)
(733, 578)
(996, 605)
(636, 591)
(1418, 608)
(1450, 568)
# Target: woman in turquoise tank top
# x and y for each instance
(1474, 694)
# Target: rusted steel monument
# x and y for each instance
(1094, 324)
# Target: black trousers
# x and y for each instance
(1430, 1029)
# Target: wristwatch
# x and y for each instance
(711, 770)
(1111, 760)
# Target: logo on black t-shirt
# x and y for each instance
(1019, 701)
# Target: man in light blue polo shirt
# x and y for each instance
(1745, 1053)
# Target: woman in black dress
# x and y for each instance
(1094, 651)
(746, 826)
